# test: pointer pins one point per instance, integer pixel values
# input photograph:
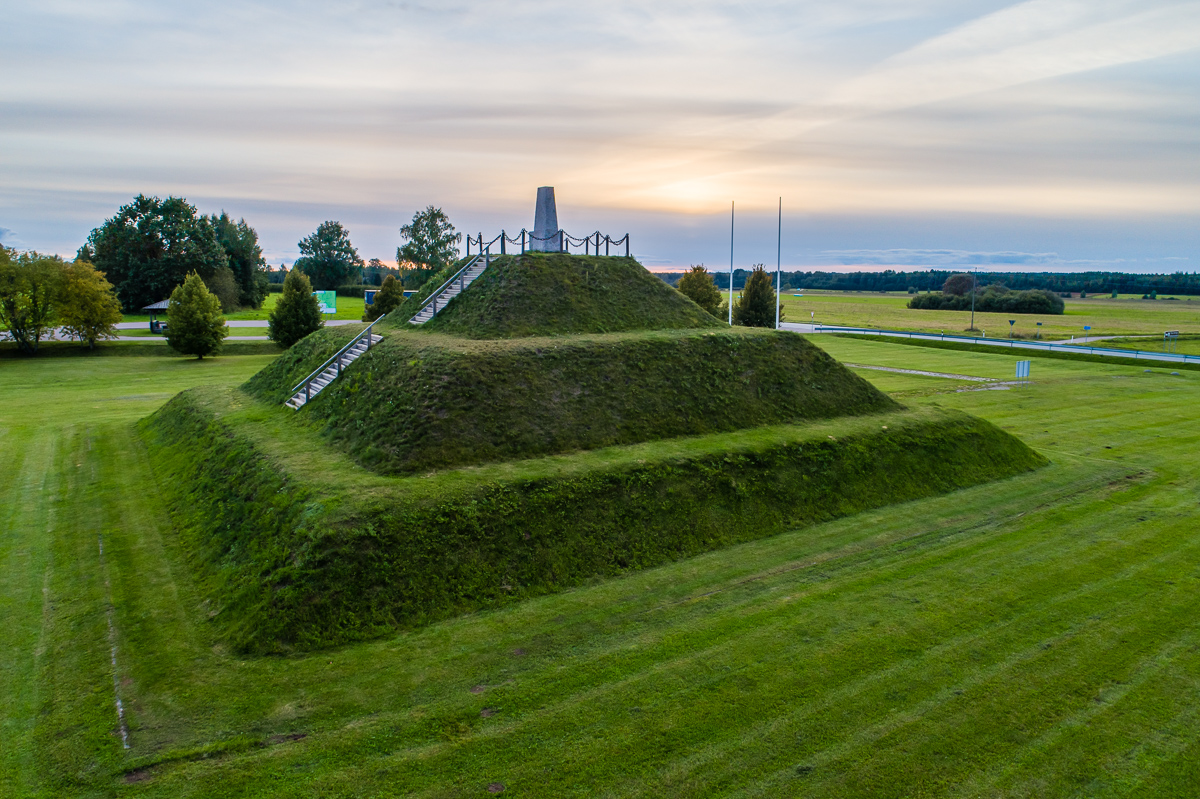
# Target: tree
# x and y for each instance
(223, 284)
(29, 285)
(88, 308)
(297, 313)
(756, 306)
(377, 269)
(698, 284)
(240, 242)
(328, 257)
(958, 285)
(150, 247)
(387, 299)
(431, 243)
(195, 325)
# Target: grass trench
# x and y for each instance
(416, 402)
(1034, 636)
(293, 563)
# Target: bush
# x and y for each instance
(756, 306)
(993, 299)
(195, 325)
(697, 284)
(297, 313)
(389, 298)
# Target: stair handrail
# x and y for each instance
(306, 382)
(590, 243)
(487, 256)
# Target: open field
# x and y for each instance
(1035, 636)
(1106, 316)
(1189, 345)
(347, 308)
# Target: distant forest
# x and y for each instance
(932, 280)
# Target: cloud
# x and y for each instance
(909, 257)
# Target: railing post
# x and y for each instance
(607, 241)
(522, 241)
(502, 236)
(627, 247)
(560, 240)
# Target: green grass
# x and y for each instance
(1035, 636)
(418, 401)
(543, 294)
(1106, 316)
(1081, 354)
(1184, 345)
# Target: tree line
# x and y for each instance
(206, 266)
(1183, 283)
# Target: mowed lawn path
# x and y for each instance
(1038, 636)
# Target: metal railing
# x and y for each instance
(306, 383)
(590, 243)
(460, 276)
(1016, 343)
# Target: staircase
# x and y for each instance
(452, 288)
(329, 371)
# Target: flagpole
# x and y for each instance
(731, 263)
(778, 261)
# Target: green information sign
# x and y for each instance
(328, 300)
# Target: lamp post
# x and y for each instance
(778, 262)
(731, 263)
(972, 299)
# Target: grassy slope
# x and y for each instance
(294, 558)
(1126, 316)
(542, 294)
(418, 401)
(1031, 637)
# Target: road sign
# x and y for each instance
(1022, 370)
(1087, 327)
(328, 300)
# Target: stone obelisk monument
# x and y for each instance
(545, 222)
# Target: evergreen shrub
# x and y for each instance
(195, 325)
(297, 313)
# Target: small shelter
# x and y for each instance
(154, 310)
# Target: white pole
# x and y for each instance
(731, 263)
(778, 261)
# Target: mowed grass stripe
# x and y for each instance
(593, 702)
(24, 567)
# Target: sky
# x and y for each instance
(1047, 134)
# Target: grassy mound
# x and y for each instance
(543, 294)
(416, 402)
(298, 548)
